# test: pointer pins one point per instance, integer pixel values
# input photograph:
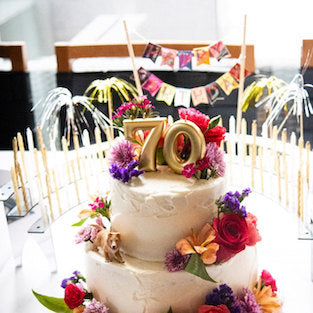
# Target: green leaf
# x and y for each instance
(214, 121)
(170, 310)
(54, 304)
(81, 222)
(196, 266)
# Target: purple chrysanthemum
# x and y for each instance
(125, 174)
(122, 153)
(86, 233)
(175, 261)
(96, 307)
(248, 303)
(231, 202)
(216, 157)
(223, 295)
(67, 281)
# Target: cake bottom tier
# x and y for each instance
(147, 287)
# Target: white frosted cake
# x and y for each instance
(152, 213)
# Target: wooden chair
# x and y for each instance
(307, 51)
(66, 51)
(16, 52)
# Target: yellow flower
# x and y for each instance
(266, 298)
(201, 244)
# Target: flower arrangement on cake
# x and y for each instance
(233, 229)
(261, 298)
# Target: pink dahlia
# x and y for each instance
(193, 115)
(122, 153)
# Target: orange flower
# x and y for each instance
(266, 298)
(86, 213)
(79, 309)
(201, 244)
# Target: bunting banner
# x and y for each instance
(202, 55)
(235, 72)
(199, 95)
(185, 59)
(227, 83)
(143, 75)
(152, 51)
(212, 91)
(182, 97)
(219, 51)
(166, 93)
(152, 84)
(168, 56)
(207, 94)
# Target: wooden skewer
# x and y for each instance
(308, 150)
(110, 107)
(244, 134)
(85, 176)
(14, 145)
(98, 141)
(38, 171)
(20, 176)
(261, 168)
(65, 150)
(40, 138)
(16, 194)
(22, 150)
(56, 189)
(76, 147)
(75, 182)
(300, 194)
(49, 195)
(252, 165)
(285, 171)
(132, 57)
(278, 177)
(242, 75)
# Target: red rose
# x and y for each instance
(231, 232)
(254, 235)
(216, 134)
(222, 308)
(269, 280)
(73, 296)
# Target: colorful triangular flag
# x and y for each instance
(152, 51)
(152, 84)
(185, 59)
(199, 95)
(166, 93)
(219, 51)
(227, 83)
(235, 71)
(202, 55)
(168, 56)
(182, 97)
(212, 91)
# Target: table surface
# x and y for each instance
(280, 252)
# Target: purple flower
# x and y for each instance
(246, 191)
(121, 153)
(223, 295)
(175, 261)
(248, 303)
(96, 307)
(189, 170)
(67, 281)
(125, 174)
(231, 202)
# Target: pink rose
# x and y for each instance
(222, 308)
(269, 280)
(231, 232)
(254, 235)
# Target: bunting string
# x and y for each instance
(207, 94)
